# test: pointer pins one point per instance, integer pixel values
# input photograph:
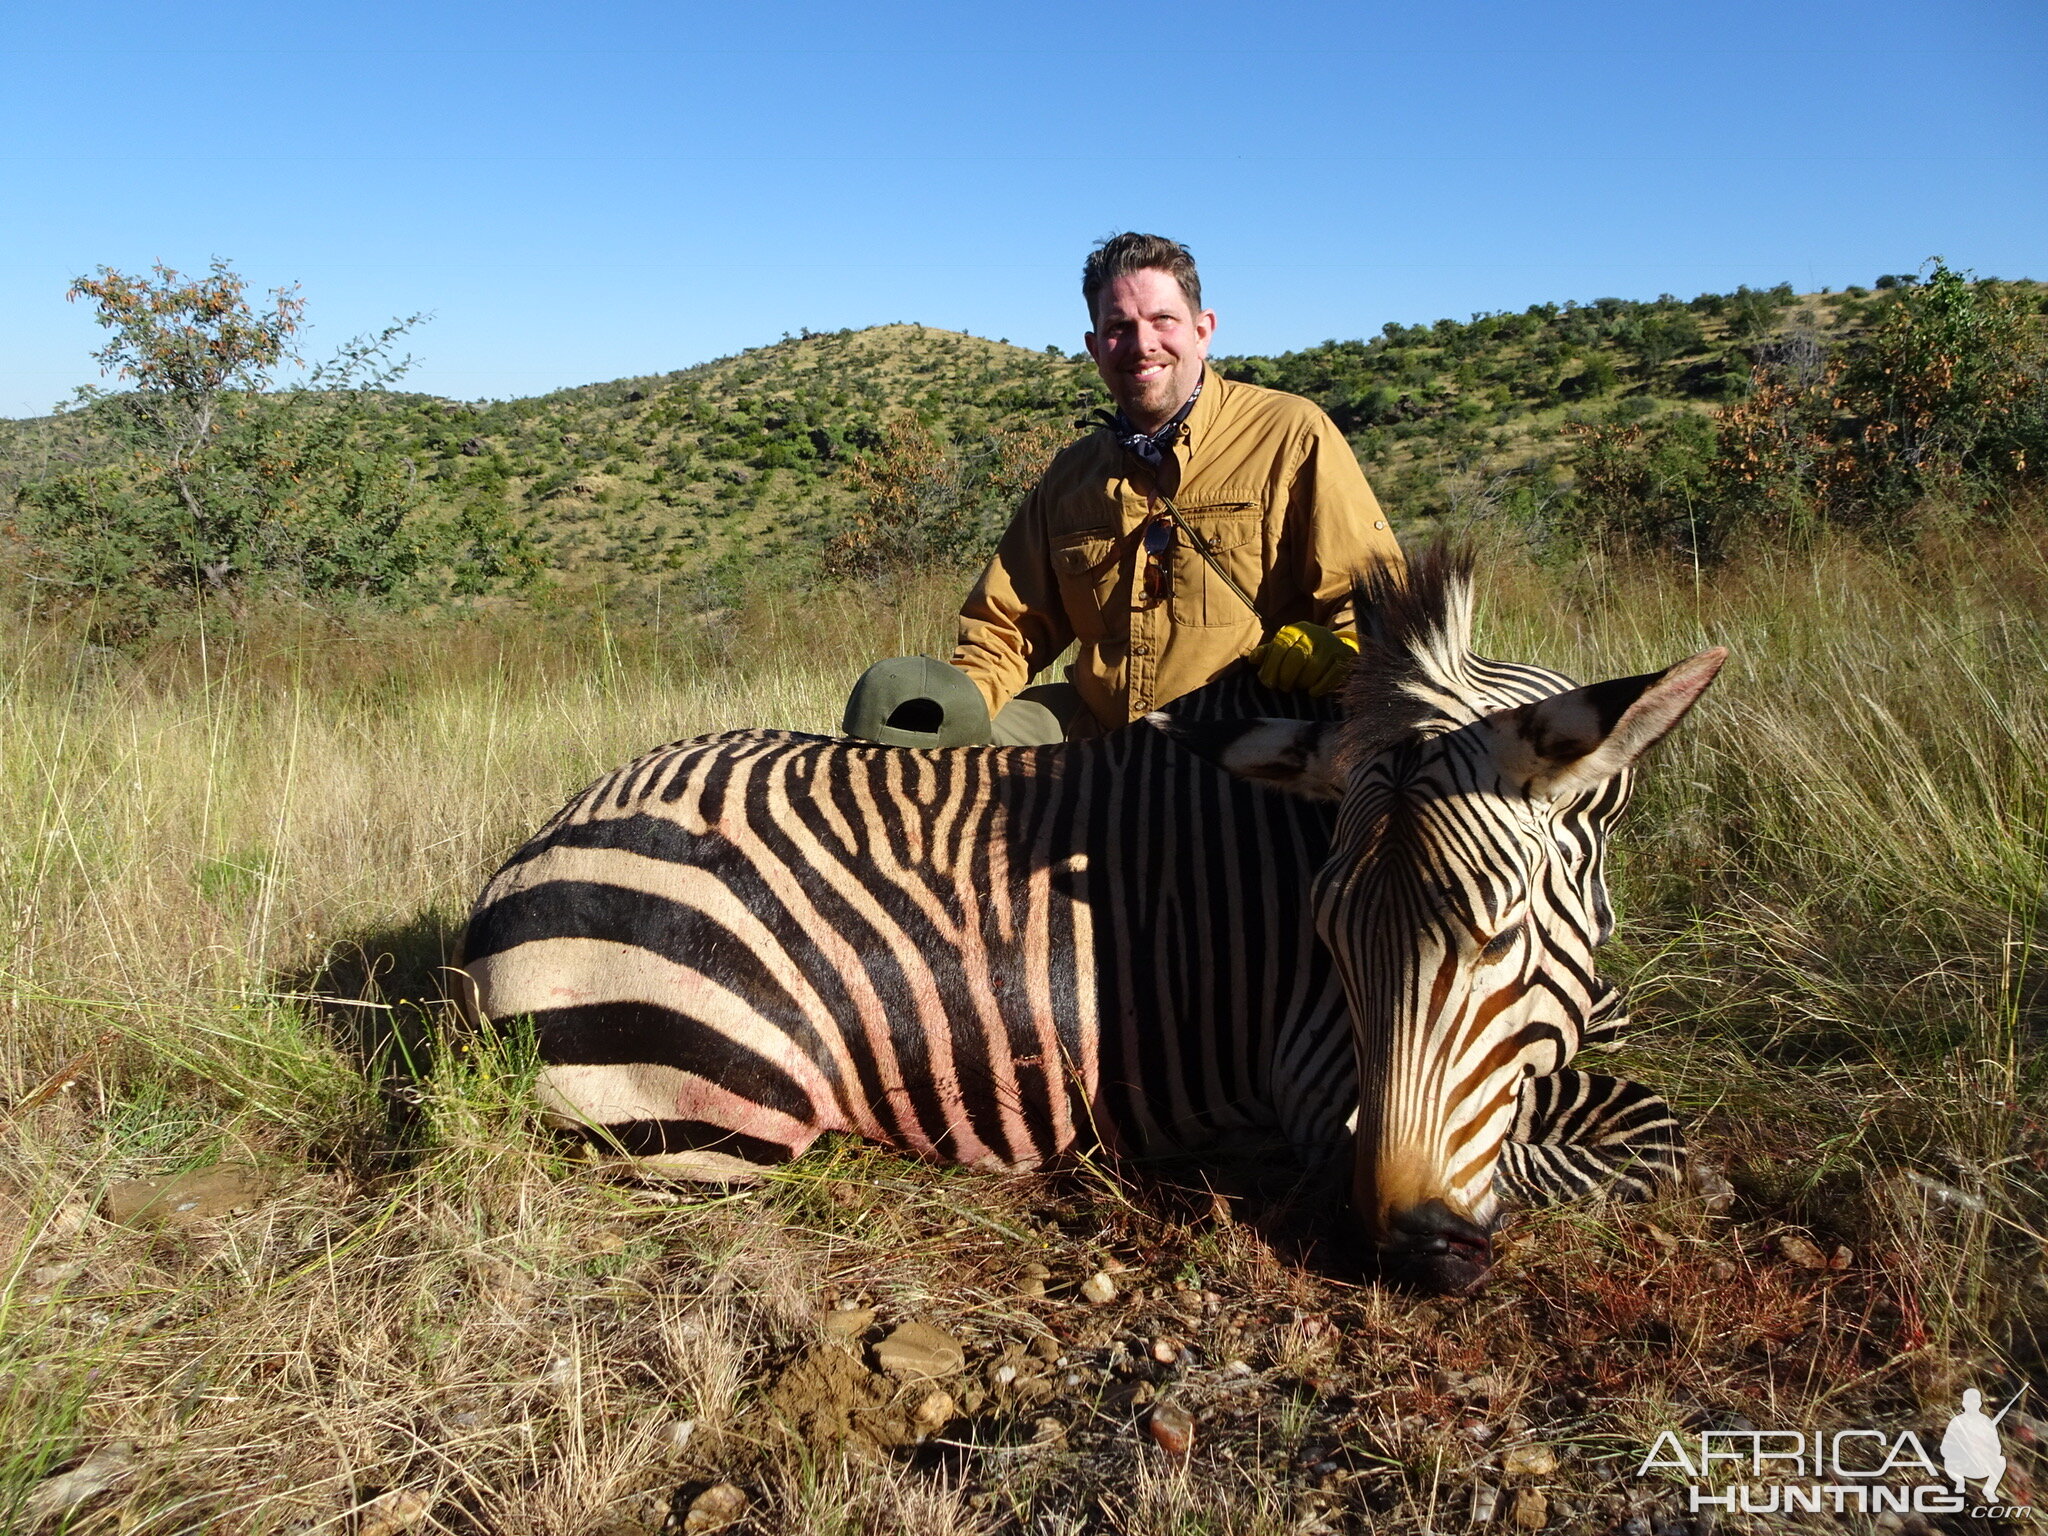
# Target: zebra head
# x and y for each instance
(1464, 894)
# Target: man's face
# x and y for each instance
(1148, 345)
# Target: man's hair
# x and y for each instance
(1121, 255)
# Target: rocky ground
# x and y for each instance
(867, 1344)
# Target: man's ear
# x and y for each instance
(1297, 757)
(1093, 344)
(1560, 746)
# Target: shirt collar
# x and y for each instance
(1203, 416)
(1152, 447)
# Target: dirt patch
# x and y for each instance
(828, 1399)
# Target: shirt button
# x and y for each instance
(1141, 649)
(1379, 522)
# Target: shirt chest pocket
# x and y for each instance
(1088, 579)
(1235, 535)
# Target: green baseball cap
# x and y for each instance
(916, 701)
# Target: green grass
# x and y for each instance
(1829, 890)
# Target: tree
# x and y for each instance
(1951, 386)
(186, 346)
(220, 483)
(1953, 379)
(928, 502)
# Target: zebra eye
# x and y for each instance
(1497, 947)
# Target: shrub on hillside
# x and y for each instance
(927, 501)
(223, 487)
(1950, 389)
(1649, 484)
(1947, 395)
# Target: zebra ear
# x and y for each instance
(1294, 756)
(1563, 745)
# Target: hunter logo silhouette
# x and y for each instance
(1969, 1446)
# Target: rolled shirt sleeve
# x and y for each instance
(1013, 623)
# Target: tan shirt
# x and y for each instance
(1265, 476)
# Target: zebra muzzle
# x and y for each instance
(1430, 1246)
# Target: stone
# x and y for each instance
(843, 1324)
(637, 1514)
(390, 1513)
(677, 1435)
(1528, 1461)
(1098, 1290)
(180, 1199)
(1842, 1257)
(1172, 1428)
(917, 1350)
(1801, 1251)
(1531, 1510)
(1469, 1384)
(59, 1495)
(715, 1508)
(1485, 1500)
(1711, 1185)
(936, 1411)
(1165, 1351)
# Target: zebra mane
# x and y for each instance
(1414, 675)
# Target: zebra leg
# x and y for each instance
(1577, 1131)
(626, 1113)
(1607, 1020)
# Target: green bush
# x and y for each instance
(221, 486)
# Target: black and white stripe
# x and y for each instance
(995, 955)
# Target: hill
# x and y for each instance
(736, 469)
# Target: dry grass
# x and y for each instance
(1829, 899)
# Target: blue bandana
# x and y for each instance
(1151, 446)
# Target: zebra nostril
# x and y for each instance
(1434, 1248)
(1434, 1225)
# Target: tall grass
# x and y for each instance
(1830, 894)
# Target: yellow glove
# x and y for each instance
(1306, 656)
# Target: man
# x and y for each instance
(1207, 521)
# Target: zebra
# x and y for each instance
(1373, 927)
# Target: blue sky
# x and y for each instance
(586, 192)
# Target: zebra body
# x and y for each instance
(982, 955)
(1373, 929)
